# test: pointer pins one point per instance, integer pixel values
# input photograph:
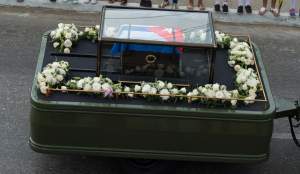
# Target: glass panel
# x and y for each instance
(179, 27)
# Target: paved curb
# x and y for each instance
(231, 17)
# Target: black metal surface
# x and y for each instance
(223, 74)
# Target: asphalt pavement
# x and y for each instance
(21, 30)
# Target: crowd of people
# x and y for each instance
(219, 5)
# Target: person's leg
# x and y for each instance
(201, 5)
(225, 6)
(273, 9)
(217, 5)
(190, 5)
(292, 8)
(248, 6)
(240, 9)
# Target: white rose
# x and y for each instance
(52, 34)
(126, 89)
(237, 67)
(195, 92)
(210, 93)
(68, 35)
(59, 77)
(64, 88)
(169, 85)
(252, 82)
(233, 102)
(55, 44)
(80, 33)
(183, 90)
(87, 87)
(43, 89)
(219, 94)
(153, 90)
(96, 79)
(160, 85)
(67, 51)
(174, 91)
(61, 25)
(80, 83)
(97, 27)
(57, 35)
(216, 87)
(146, 88)
(245, 87)
(106, 86)
(164, 92)
(87, 29)
(68, 43)
(137, 88)
(96, 86)
(40, 78)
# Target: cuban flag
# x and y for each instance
(153, 33)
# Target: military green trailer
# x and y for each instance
(71, 123)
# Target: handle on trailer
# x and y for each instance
(285, 108)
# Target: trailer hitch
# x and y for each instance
(285, 108)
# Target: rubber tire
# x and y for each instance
(147, 166)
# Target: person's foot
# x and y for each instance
(240, 9)
(225, 8)
(52, 0)
(274, 11)
(262, 11)
(248, 9)
(217, 8)
(292, 12)
(75, 2)
(93, 2)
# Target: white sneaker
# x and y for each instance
(94, 2)
(86, 1)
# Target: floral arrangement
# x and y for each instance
(64, 37)
(90, 33)
(241, 60)
(223, 39)
(52, 75)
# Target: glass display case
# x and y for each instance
(145, 44)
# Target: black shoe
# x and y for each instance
(53, 0)
(240, 10)
(146, 3)
(217, 8)
(248, 9)
(225, 8)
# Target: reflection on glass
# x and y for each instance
(157, 25)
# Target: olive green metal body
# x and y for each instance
(154, 132)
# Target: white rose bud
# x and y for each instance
(183, 90)
(169, 85)
(67, 51)
(68, 35)
(233, 102)
(126, 89)
(55, 44)
(137, 88)
(164, 92)
(68, 43)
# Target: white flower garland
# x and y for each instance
(246, 81)
(52, 75)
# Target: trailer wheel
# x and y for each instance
(147, 166)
